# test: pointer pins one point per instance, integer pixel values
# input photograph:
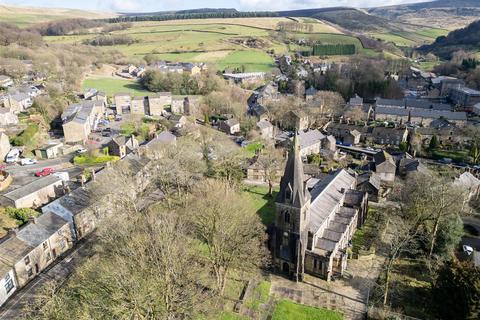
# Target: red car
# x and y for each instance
(45, 172)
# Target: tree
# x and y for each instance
(144, 268)
(433, 145)
(229, 228)
(269, 160)
(456, 292)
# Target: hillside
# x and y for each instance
(26, 16)
(440, 14)
(466, 38)
(348, 18)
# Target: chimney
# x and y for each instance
(82, 180)
(13, 232)
(32, 220)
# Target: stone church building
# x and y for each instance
(315, 224)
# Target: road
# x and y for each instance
(23, 175)
(473, 241)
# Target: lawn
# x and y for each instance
(288, 310)
(111, 86)
(93, 160)
(263, 204)
(456, 155)
(259, 296)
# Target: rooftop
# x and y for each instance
(12, 249)
(32, 187)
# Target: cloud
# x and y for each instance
(125, 5)
(299, 4)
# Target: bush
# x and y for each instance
(26, 136)
(91, 159)
(22, 214)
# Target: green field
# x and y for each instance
(251, 60)
(411, 38)
(111, 86)
(289, 310)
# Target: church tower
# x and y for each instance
(291, 217)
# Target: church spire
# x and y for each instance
(291, 186)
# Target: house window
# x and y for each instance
(8, 284)
(45, 245)
(26, 260)
(62, 244)
(287, 217)
(314, 263)
(49, 256)
(30, 272)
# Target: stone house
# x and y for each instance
(178, 120)
(123, 102)
(330, 143)
(418, 116)
(192, 105)
(313, 226)
(177, 105)
(8, 283)
(34, 194)
(463, 96)
(259, 111)
(470, 183)
(256, 173)
(266, 129)
(157, 103)
(370, 183)
(230, 126)
(121, 145)
(385, 167)
(8, 117)
(310, 142)
(83, 210)
(26, 260)
(297, 120)
(139, 106)
(4, 146)
(18, 102)
(80, 119)
(389, 136)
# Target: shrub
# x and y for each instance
(26, 136)
(22, 214)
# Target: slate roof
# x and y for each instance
(413, 104)
(12, 249)
(34, 234)
(382, 156)
(326, 196)
(51, 222)
(32, 187)
(309, 138)
(264, 124)
(467, 180)
(166, 136)
(371, 177)
(356, 101)
(421, 113)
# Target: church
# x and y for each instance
(315, 220)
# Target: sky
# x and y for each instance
(160, 5)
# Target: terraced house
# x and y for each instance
(314, 223)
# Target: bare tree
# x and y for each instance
(229, 227)
(270, 160)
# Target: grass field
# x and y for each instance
(220, 42)
(413, 38)
(24, 17)
(111, 86)
(288, 310)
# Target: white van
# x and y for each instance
(12, 156)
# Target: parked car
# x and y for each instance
(467, 249)
(28, 161)
(81, 150)
(107, 132)
(45, 172)
(118, 117)
(12, 156)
